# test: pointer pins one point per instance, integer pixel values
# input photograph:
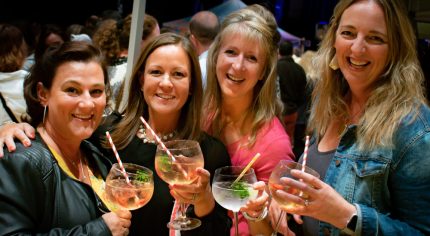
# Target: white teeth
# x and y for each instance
(84, 117)
(357, 63)
(165, 96)
(234, 78)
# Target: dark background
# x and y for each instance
(298, 17)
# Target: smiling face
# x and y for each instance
(166, 81)
(75, 101)
(239, 66)
(361, 44)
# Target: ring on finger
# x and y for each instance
(194, 197)
(306, 202)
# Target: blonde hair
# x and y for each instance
(189, 123)
(397, 92)
(257, 24)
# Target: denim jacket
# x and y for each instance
(390, 187)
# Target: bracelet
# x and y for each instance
(256, 219)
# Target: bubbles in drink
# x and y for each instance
(230, 198)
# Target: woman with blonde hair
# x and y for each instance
(240, 101)
(369, 118)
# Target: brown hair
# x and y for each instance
(44, 71)
(189, 121)
(13, 49)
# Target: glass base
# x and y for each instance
(184, 224)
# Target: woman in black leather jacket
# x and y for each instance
(48, 187)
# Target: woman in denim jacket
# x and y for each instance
(371, 128)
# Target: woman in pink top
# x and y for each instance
(241, 101)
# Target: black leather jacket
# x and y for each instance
(37, 197)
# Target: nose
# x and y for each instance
(238, 63)
(358, 46)
(87, 101)
(165, 82)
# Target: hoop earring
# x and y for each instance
(334, 65)
(44, 114)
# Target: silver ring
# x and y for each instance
(306, 202)
(194, 197)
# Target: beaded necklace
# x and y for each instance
(141, 133)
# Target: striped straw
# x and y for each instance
(117, 157)
(157, 138)
(305, 153)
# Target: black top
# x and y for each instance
(37, 196)
(292, 84)
(152, 219)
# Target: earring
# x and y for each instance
(44, 114)
(333, 63)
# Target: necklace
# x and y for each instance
(346, 122)
(81, 169)
(141, 133)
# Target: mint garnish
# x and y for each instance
(142, 176)
(240, 190)
(165, 163)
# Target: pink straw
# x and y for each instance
(305, 153)
(157, 138)
(117, 157)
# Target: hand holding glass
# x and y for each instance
(132, 194)
(283, 169)
(233, 196)
(182, 170)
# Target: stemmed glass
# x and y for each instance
(129, 194)
(182, 170)
(283, 169)
(233, 195)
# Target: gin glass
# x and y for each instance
(182, 170)
(232, 194)
(283, 169)
(129, 194)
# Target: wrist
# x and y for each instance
(351, 224)
(204, 206)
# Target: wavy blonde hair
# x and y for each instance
(397, 92)
(257, 24)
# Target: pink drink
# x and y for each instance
(129, 196)
(182, 171)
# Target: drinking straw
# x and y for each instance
(158, 139)
(305, 153)
(247, 167)
(117, 157)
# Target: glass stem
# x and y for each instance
(236, 224)
(182, 210)
(281, 216)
